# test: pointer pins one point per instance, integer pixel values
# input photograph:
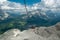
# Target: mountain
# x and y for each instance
(39, 33)
(23, 21)
(43, 17)
(3, 15)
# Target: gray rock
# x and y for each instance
(41, 33)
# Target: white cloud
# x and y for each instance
(11, 5)
(2, 1)
(44, 5)
(15, 7)
(6, 15)
(49, 2)
(3, 15)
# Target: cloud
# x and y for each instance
(1, 1)
(44, 5)
(3, 15)
(48, 8)
(49, 3)
(6, 5)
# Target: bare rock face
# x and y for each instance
(16, 34)
(58, 26)
(51, 33)
(41, 33)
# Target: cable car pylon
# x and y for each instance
(26, 8)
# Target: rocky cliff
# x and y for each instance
(41, 33)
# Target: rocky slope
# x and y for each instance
(41, 33)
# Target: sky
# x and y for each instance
(28, 2)
(43, 5)
(36, 4)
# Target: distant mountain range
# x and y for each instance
(33, 17)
